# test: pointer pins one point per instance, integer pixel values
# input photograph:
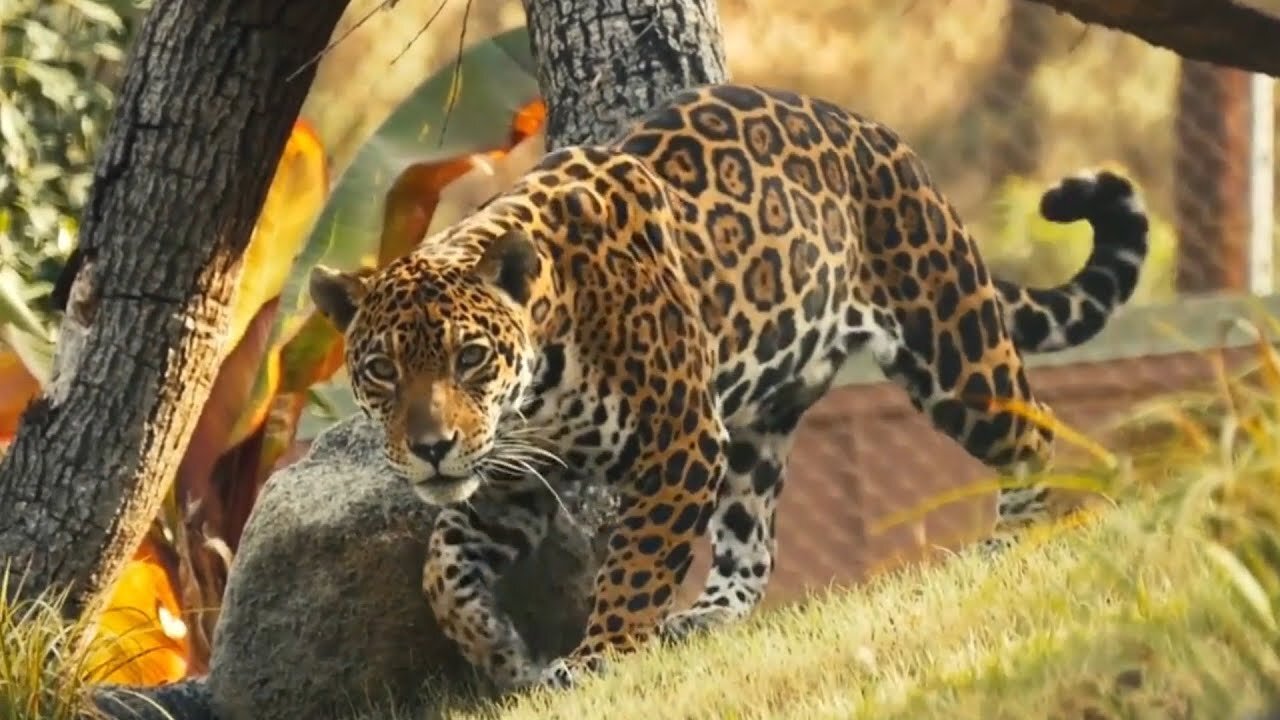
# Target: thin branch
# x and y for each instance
(384, 5)
(456, 80)
(421, 30)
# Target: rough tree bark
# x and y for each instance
(602, 63)
(1224, 32)
(208, 100)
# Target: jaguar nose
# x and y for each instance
(433, 452)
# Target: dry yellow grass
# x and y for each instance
(48, 665)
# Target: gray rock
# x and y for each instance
(324, 613)
(183, 700)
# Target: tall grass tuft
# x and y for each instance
(43, 658)
(47, 663)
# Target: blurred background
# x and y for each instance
(1000, 97)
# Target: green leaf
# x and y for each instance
(57, 84)
(44, 43)
(1244, 581)
(15, 131)
(97, 12)
(13, 305)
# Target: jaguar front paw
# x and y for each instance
(515, 677)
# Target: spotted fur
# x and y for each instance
(659, 312)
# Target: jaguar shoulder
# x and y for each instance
(659, 311)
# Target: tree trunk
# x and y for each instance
(1223, 32)
(209, 98)
(604, 62)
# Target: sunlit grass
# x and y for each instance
(1164, 606)
(47, 663)
(1111, 617)
(43, 659)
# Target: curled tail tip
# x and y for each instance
(1087, 195)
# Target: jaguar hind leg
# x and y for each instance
(742, 533)
(958, 381)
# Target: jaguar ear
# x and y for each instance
(337, 294)
(511, 263)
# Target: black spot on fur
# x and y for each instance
(683, 164)
(971, 336)
(687, 519)
(740, 98)
(763, 140)
(948, 362)
(739, 522)
(948, 416)
(714, 121)
(948, 302)
(733, 173)
(1030, 326)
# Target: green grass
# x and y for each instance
(47, 664)
(1119, 617)
(1162, 607)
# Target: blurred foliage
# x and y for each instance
(1211, 456)
(60, 62)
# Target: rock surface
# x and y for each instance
(183, 700)
(324, 613)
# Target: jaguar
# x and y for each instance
(657, 312)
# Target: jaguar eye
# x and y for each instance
(472, 355)
(380, 369)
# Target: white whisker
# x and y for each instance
(506, 456)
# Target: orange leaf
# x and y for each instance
(141, 638)
(528, 121)
(294, 200)
(411, 202)
(18, 387)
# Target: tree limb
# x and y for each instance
(1224, 32)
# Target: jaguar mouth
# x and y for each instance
(446, 489)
